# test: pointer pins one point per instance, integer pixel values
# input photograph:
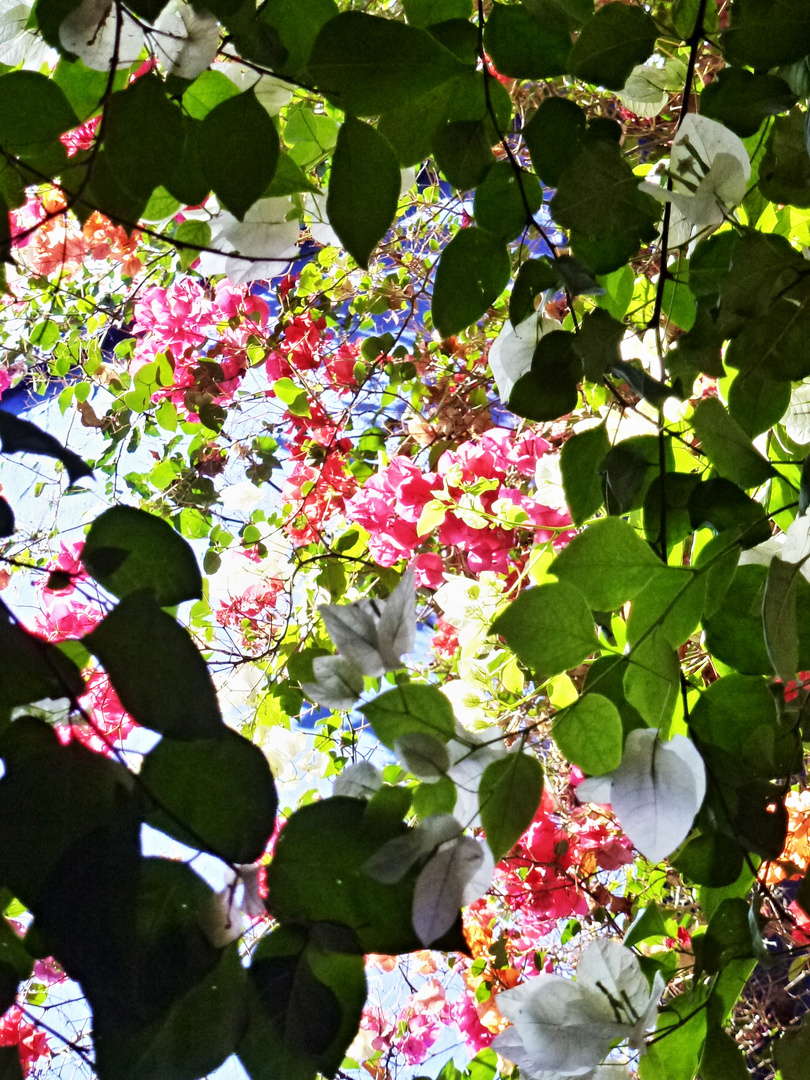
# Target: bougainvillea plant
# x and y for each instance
(413, 529)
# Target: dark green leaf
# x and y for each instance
(580, 463)
(422, 13)
(736, 720)
(804, 490)
(723, 1058)
(779, 619)
(727, 446)
(589, 734)
(550, 389)
(462, 150)
(297, 24)
(741, 100)
(127, 550)
(630, 468)
(669, 494)
(22, 437)
(765, 33)
(550, 628)
(710, 859)
(34, 112)
(791, 1051)
(734, 632)
(410, 707)
(410, 128)
(368, 65)
(729, 936)
(459, 36)
(554, 137)
(215, 794)
(317, 875)
(576, 278)
(472, 273)
(605, 677)
(609, 46)
(652, 680)
(643, 384)
(508, 797)
(240, 149)
(723, 506)
(157, 672)
(141, 164)
(505, 200)
(186, 177)
(15, 966)
(363, 188)
(598, 342)
(673, 600)
(305, 1007)
(534, 277)
(609, 563)
(598, 197)
(10, 1064)
(33, 668)
(684, 18)
(289, 178)
(527, 46)
(784, 172)
(756, 401)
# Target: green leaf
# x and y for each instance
(721, 556)
(673, 600)
(609, 564)
(527, 46)
(791, 1050)
(779, 619)
(550, 389)
(598, 341)
(317, 876)
(462, 150)
(410, 707)
(734, 714)
(422, 13)
(727, 446)
(22, 437)
(729, 936)
(724, 506)
(652, 681)
(630, 468)
(669, 493)
(763, 34)
(367, 65)
(34, 112)
(140, 164)
(580, 463)
(508, 797)
(438, 798)
(289, 179)
(363, 188)
(554, 137)
(15, 966)
(157, 672)
(32, 667)
(305, 1007)
(712, 859)
(741, 100)
(679, 1035)
(609, 46)
(297, 24)
(240, 149)
(589, 734)
(472, 273)
(127, 550)
(534, 277)
(598, 198)
(215, 794)
(784, 172)
(549, 628)
(756, 401)
(734, 632)
(723, 1057)
(504, 201)
(605, 676)
(618, 287)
